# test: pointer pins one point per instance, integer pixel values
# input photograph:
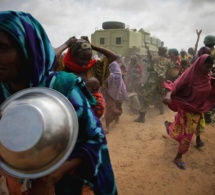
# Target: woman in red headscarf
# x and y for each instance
(78, 59)
(190, 95)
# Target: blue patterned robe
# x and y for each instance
(91, 145)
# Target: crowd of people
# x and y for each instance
(97, 88)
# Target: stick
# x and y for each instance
(197, 41)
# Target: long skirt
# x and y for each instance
(113, 108)
(183, 128)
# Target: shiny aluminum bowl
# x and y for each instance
(38, 131)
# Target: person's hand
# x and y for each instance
(41, 186)
(85, 38)
(70, 41)
(54, 177)
(68, 167)
(167, 98)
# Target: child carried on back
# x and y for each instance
(93, 85)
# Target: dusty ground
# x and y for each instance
(142, 158)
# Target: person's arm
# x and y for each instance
(45, 185)
(111, 56)
(68, 166)
(64, 46)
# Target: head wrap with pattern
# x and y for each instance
(80, 45)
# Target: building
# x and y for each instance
(124, 41)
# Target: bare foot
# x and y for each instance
(106, 130)
(199, 143)
(167, 124)
(117, 121)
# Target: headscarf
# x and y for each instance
(91, 145)
(33, 41)
(202, 50)
(193, 91)
(36, 47)
(80, 45)
(68, 60)
(116, 85)
(174, 51)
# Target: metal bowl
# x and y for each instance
(38, 131)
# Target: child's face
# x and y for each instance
(93, 86)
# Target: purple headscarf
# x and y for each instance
(116, 85)
(202, 50)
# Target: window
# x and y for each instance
(118, 40)
(102, 41)
(147, 39)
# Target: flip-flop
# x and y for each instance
(167, 124)
(180, 164)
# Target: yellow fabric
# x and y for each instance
(100, 70)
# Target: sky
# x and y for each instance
(172, 21)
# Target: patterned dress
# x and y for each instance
(192, 94)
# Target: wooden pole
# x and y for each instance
(197, 41)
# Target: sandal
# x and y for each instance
(180, 164)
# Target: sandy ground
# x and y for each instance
(142, 158)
